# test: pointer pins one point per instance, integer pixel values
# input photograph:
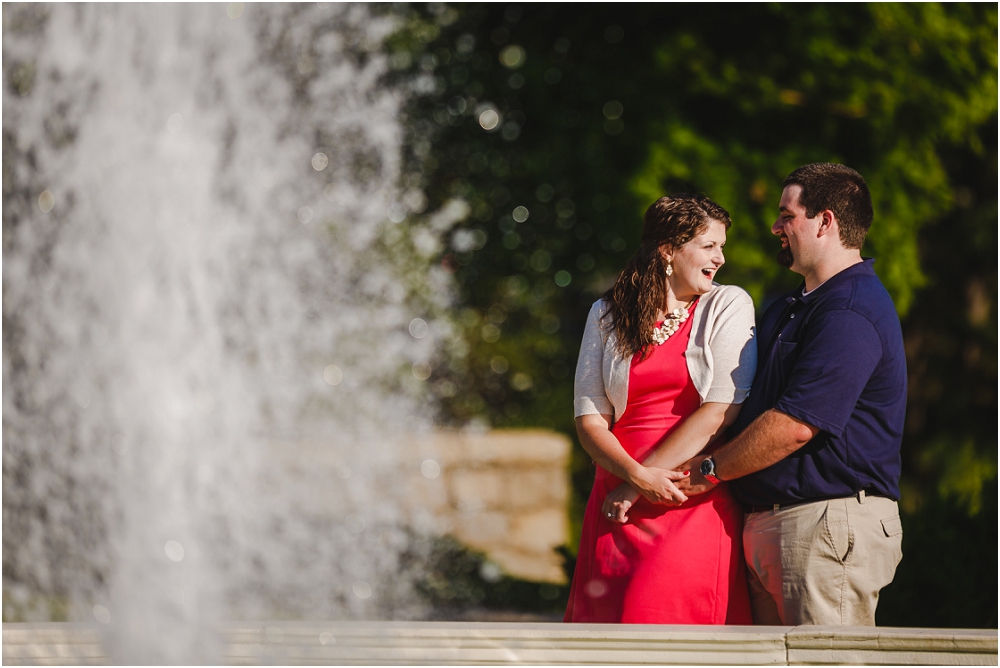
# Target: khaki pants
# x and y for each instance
(823, 562)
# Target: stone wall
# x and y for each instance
(503, 492)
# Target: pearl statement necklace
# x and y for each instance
(671, 324)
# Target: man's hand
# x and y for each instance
(657, 485)
(695, 482)
(618, 502)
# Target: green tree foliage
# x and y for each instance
(559, 124)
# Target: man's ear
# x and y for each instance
(828, 224)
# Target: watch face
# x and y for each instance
(708, 471)
(708, 467)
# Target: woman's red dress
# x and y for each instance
(666, 565)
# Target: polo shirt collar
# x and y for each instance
(864, 268)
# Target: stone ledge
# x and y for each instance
(52, 644)
(865, 645)
(418, 643)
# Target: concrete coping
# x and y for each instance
(463, 643)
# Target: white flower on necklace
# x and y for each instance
(671, 324)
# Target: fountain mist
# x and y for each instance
(200, 260)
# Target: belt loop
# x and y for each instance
(861, 497)
(776, 507)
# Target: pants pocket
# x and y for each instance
(838, 530)
(892, 527)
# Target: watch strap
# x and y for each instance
(708, 471)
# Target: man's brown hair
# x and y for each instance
(841, 190)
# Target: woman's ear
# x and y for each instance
(666, 253)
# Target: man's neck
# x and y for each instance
(831, 268)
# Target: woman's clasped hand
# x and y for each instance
(656, 486)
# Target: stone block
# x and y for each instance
(482, 531)
(537, 487)
(535, 566)
(476, 488)
(427, 494)
(540, 531)
(499, 447)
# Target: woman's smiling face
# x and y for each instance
(696, 262)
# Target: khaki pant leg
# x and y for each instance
(824, 563)
(762, 550)
(878, 540)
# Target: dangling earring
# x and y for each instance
(669, 271)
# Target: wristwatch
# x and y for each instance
(708, 471)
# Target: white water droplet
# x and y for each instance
(421, 370)
(355, 524)
(490, 572)
(82, 399)
(175, 124)
(320, 161)
(102, 614)
(418, 328)
(46, 201)
(174, 550)
(489, 119)
(333, 375)
(362, 590)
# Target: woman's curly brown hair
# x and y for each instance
(637, 296)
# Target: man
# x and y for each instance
(816, 460)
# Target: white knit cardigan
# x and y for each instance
(721, 354)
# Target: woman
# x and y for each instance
(667, 358)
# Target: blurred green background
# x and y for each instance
(558, 124)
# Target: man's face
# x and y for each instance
(795, 230)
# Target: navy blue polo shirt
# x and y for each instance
(833, 359)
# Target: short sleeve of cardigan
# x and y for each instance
(590, 395)
(734, 350)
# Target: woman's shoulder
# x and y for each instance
(599, 318)
(599, 308)
(724, 295)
